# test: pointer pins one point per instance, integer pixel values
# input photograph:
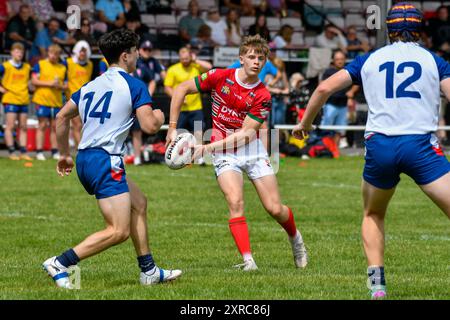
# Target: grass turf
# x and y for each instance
(42, 215)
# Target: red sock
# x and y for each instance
(239, 230)
(289, 225)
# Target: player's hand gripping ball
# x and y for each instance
(179, 153)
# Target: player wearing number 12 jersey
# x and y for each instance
(402, 83)
(241, 103)
(108, 107)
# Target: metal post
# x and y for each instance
(384, 6)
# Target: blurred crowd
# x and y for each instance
(60, 60)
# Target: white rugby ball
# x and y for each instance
(179, 153)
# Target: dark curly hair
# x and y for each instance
(114, 43)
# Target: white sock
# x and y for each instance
(247, 256)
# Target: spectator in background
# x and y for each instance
(15, 75)
(111, 12)
(203, 44)
(218, 27)
(102, 66)
(86, 6)
(331, 38)
(191, 22)
(260, 27)
(42, 11)
(21, 28)
(131, 10)
(79, 72)
(4, 17)
(283, 41)
(293, 8)
(234, 31)
(278, 8)
(227, 5)
(279, 91)
(354, 45)
(134, 24)
(85, 33)
(49, 78)
(149, 70)
(14, 7)
(335, 109)
(188, 68)
(437, 30)
(263, 9)
(47, 36)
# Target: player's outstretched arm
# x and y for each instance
(179, 94)
(326, 88)
(65, 162)
(150, 120)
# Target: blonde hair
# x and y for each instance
(17, 45)
(256, 43)
(55, 48)
(183, 50)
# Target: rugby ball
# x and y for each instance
(179, 153)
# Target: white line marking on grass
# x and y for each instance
(434, 237)
(330, 185)
(22, 215)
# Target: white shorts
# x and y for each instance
(251, 158)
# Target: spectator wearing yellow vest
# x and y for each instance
(188, 68)
(79, 72)
(49, 76)
(15, 76)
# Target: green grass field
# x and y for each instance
(42, 214)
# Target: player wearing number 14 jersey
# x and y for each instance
(402, 83)
(241, 103)
(108, 107)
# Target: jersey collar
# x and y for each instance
(246, 86)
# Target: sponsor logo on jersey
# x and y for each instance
(230, 82)
(252, 94)
(225, 90)
(211, 71)
(229, 111)
(204, 76)
(237, 96)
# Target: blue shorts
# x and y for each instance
(187, 119)
(15, 108)
(419, 156)
(46, 112)
(100, 173)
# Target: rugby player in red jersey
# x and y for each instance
(240, 105)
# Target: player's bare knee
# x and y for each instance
(236, 204)
(120, 235)
(140, 205)
(374, 214)
(23, 127)
(275, 210)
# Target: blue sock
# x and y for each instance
(38, 150)
(54, 151)
(376, 275)
(23, 150)
(68, 258)
(11, 149)
(146, 262)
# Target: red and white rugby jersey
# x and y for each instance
(233, 100)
